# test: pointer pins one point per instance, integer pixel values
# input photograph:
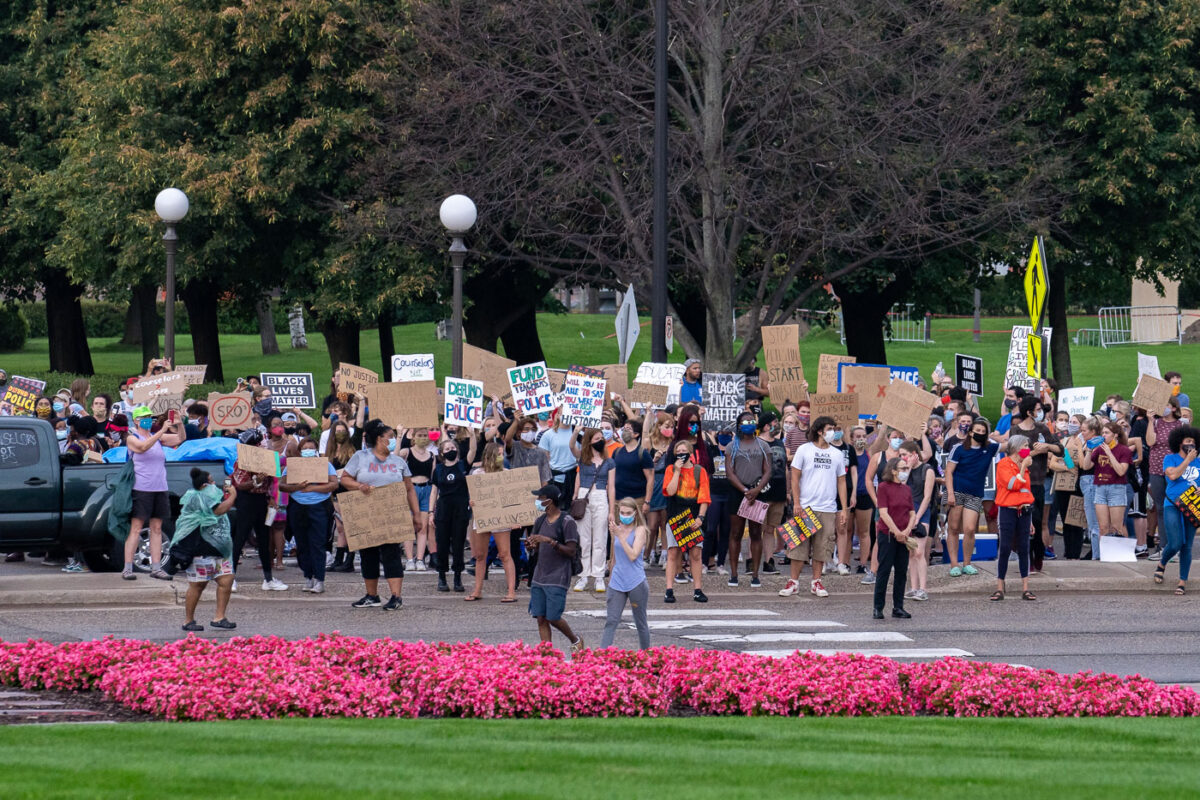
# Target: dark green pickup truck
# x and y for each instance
(44, 504)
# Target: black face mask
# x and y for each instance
(289, 431)
(450, 456)
(598, 447)
(979, 438)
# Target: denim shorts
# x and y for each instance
(423, 492)
(1111, 494)
(547, 601)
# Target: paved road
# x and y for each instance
(1152, 633)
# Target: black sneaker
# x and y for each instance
(367, 601)
(669, 597)
(392, 604)
(769, 567)
(755, 582)
(442, 585)
(860, 570)
(223, 623)
(699, 596)
(193, 626)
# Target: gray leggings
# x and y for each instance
(637, 597)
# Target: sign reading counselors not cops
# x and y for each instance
(290, 389)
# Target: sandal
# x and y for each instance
(1028, 596)
(471, 597)
(509, 599)
(1159, 572)
(1180, 590)
(997, 596)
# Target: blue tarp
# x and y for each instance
(193, 450)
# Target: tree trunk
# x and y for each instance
(266, 326)
(520, 337)
(64, 324)
(503, 298)
(1060, 344)
(133, 327)
(200, 300)
(591, 299)
(341, 339)
(145, 298)
(387, 341)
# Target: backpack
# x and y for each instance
(576, 560)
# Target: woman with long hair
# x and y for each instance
(597, 486)
(492, 461)
(661, 433)
(421, 462)
(339, 449)
(1111, 459)
(966, 473)
(628, 584)
(450, 502)
(1180, 469)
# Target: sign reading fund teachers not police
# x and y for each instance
(290, 389)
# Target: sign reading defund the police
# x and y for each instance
(464, 402)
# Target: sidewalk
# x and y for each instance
(88, 589)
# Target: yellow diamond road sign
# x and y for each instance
(1033, 361)
(1035, 283)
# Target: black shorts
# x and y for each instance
(151, 505)
(863, 502)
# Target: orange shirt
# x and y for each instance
(688, 490)
(1019, 495)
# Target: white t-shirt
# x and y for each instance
(820, 468)
(325, 439)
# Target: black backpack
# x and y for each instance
(576, 560)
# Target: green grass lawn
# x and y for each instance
(583, 339)
(915, 759)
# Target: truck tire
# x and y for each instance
(112, 559)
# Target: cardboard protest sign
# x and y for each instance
(968, 373)
(381, 517)
(501, 501)
(668, 375)
(150, 387)
(463, 402)
(842, 406)
(645, 395)
(314, 470)
(413, 404)
(617, 376)
(1076, 516)
(1077, 400)
(753, 510)
(1015, 371)
(1148, 365)
(230, 412)
(354, 379)
(557, 378)
(869, 383)
(686, 530)
(293, 389)
(485, 366)
(531, 390)
(827, 371)
(906, 408)
(800, 528)
(417, 367)
(1152, 394)
(583, 399)
(1189, 504)
(193, 374)
(785, 372)
(20, 395)
(258, 459)
(1065, 481)
(724, 396)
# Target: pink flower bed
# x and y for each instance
(333, 675)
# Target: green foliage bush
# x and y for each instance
(14, 328)
(106, 319)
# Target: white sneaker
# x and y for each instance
(818, 589)
(329, 557)
(234, 587)
(843, 569)
(721, 570)
(274, 585)
(580, 584)
(791, 588)
(419, 565)
(921, 594)
(911, 594)
(599, 584)
(318, 587)
(308, 582)
(411, 565)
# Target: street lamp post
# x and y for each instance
(458, 215)
(171, 205)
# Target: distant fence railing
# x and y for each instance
(1139, 324)
(902, 327)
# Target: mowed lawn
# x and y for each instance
(587, 339)
(910, 758)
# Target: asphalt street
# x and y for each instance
(1150, 632)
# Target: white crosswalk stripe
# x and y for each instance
(889, 652)
(684, 624)
(827, 636)
(682, 612)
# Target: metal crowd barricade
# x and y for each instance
(1088, 337)
(1139, 324)
(901, 325)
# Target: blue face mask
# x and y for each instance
(541, 504)
(747, 429)
(724, 438)
(949, 415)
(545, 415)
(607, 434)
(58, 407)
(627, 519)
(311, 453)
(145, 423)
(895, 442)
(391, 445)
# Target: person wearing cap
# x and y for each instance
(557, 540)
(3, 378)
(151, 500)
(690, 389)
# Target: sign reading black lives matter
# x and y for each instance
(968, 373)
(724, 394)
(290, 389)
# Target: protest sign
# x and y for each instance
(413, 404)
(1188, 503)
(1078, 400)
(1018, 354)
(163, 403)
(258, 459)
(753, 510)
(314, 470)
(501, 501)
(1152, 394)
(381, 517)
(668, 375)
(724, 398)
(150, 387)
(463, 402)
(645, 395)
(491, 369)
(1148, 365)
(531, 390)
(1076, 516)
(870, 383)
(842, 406)
(785, 371)
(20, 395)
(193, 374)
(686, 530)
(353, 379)
(906, 408)
(968, 373)
(294, 389)
(617, 376)
(418, 367)
(1066, 480)
(557, 378)
(827, 371)
(230, 412)
(1118, 548)
(800, 528)
(583, 399)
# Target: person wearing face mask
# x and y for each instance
(921, 479)
(559, 443)
(420, 460)
(887, 443)
(151, 499)
(262, 402)
(1031, 419)
(1158, 435)
(966, 473)
(253, 499)
(818, 482)
(1111, 459)
(1069, 463)
(598, 489)
(792, 438)
(861, 503)
(1012, 397)
(611, 440)
(554, 541)
(43, 408)
(660, 433)
(1176, 381)
(310, 506)
(803, 422)
(492, 462)
(896, 524)
(628, 584)
(451, 504)
(633, 467)
(774, 494)
(374, 466)
(748, 470)
(278, 440)
(1179, 466)
(686, 487)
(1137, 493)
(340, 447)
(1015, 503)
(722, 506)
(1088, 438)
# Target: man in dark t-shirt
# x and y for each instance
(557, 540)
